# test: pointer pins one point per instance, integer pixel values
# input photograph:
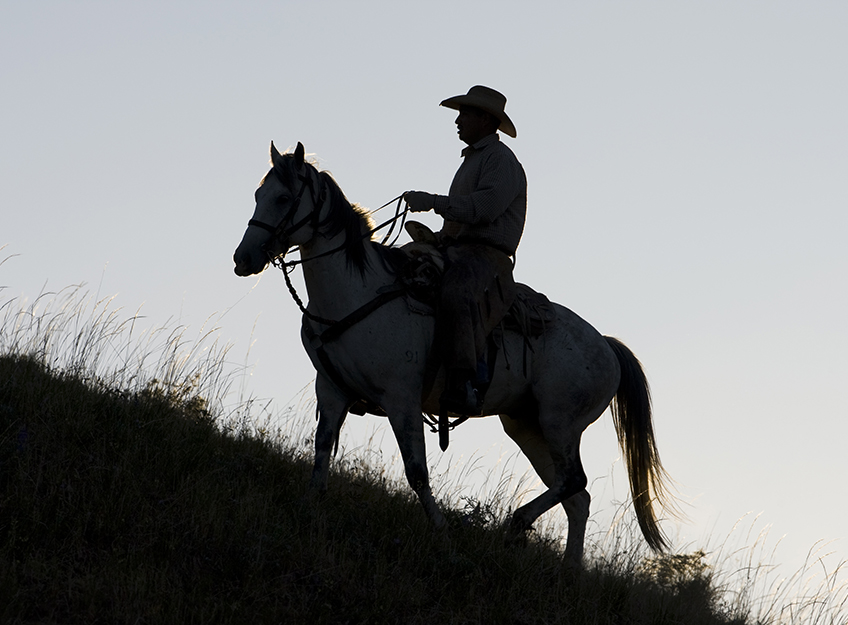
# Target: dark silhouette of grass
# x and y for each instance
(132, 501)
(138, 507)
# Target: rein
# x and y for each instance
(288, 266)
(283, 230)
(399, 215)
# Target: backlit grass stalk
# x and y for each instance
(73, 334)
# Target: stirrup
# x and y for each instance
(445, 425)
(462, 401)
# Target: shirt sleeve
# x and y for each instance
(500, 182)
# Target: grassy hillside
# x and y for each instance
(129, 494)
(120, 507)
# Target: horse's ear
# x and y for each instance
(299, 154)
(275, 155)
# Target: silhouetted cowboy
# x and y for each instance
(484, 214)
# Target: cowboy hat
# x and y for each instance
(486, 99)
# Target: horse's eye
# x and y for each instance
(283, 200)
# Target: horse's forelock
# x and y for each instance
(285, 168)
(288, 165)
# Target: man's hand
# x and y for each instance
(419, 201)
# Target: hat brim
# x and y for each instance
(506, 126)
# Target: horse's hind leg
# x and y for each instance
(332, 410)
(566, 482)
(577, 509)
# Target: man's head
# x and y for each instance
(474, 123)
(483, 103)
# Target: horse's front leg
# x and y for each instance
(332, 410)
(408, 426)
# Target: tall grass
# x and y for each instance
(750, 579)
(73, 332)
(138, 484)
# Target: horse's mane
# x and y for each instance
(352, 219)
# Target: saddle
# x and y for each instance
(422, 271)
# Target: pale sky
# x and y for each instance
(688, 187)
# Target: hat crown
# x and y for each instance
(486, 93)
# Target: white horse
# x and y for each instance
(379, 350)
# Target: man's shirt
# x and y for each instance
(487, 201)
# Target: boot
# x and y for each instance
(460, 397)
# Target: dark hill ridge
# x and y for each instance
(123, 507)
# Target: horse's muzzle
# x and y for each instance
(246, 264)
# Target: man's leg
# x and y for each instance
(477, 291)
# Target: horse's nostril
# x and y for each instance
(242, 262)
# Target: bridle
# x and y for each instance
(284, 231)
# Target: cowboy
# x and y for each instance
(484, 214)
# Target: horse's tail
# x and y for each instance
(631, 413)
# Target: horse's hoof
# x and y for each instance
(515, 538)
(314, 495)
(572, 568)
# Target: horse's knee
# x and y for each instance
(416, 475)
(324, 439)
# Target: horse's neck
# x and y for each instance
(335, 287)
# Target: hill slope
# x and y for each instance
(139, 507)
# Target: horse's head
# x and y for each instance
(288, 204)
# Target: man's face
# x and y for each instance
(473, 124)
